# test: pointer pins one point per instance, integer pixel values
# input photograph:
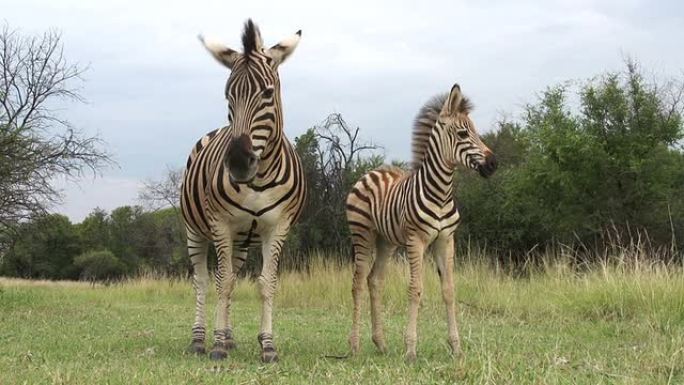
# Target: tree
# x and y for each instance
(36, 144)
(570, 174)
(163, 196)
(165, 247)
(334, 157)
(43, 248)
(94, 230)
(306, 234)
(125, 235)
(165, 192)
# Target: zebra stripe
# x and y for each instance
(243, 186)
(390, 207)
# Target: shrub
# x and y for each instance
(100, 265)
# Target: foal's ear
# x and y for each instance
(284, 49)
(220, 52)
(452, 105)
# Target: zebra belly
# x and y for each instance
(246, 234)
(430, 228)
(247, 220)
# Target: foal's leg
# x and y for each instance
(444, 256)
(363, 244)
(376, 281)
(415, 249)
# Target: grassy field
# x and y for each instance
(617, 324)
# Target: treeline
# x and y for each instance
(589, 169)
(105, 246)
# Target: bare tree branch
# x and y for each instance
(162, 193)
(36, 144)
(340, 150)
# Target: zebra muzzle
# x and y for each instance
(241, 160)
(487, 167)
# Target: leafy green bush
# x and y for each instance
(101, 265)
(604, 155)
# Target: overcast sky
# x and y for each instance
(152, 90)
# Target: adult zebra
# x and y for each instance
(389, 207)
(243, 185)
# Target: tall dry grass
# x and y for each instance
(624, 283)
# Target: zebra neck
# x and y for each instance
(436, 174)
(275, 142)
(272, 158)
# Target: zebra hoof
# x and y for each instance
(269, 356)
(410, 357)
(218, 354)
(380, 345)
(268, 351)
(196, 347)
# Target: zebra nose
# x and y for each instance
(240, 158)
(242, 144)
(487, 168)
(492, 163)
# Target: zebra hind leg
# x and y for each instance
(363, 242)
(197, 249)
(415, 249)
(376, 281)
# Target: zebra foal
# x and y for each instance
(390, 207)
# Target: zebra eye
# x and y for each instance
(462, 134)
(267, 93)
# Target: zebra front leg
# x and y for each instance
(197, 249)
(444, 256)
(271, 249)
(376, 281)
(415, 250)
(238, 260)
(225, 282)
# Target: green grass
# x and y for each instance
(612, 325)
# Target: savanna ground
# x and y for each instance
(616, 323)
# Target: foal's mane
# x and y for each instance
(425, 121)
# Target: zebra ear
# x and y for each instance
(453, 102)
(282, 50)
(223, 54)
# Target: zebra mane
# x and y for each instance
(422, 126)
(251, 38)
(425, 121)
